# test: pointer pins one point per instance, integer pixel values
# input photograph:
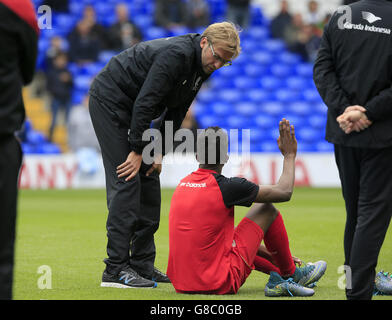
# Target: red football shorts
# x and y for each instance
(247, 239)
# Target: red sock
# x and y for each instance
(264, 265)
(277, 242)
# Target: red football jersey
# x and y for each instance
(201, 228)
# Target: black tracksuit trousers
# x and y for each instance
(134, 206)
(10, 162)
(366, 177)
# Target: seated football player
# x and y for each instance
(207, 255)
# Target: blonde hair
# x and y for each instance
(224, 35)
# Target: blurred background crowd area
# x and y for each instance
(272, 78)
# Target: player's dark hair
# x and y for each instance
(212, 146)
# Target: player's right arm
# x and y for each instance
(283, 190)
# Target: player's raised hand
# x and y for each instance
(287, 142)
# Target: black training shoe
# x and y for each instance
(158, 276)
(128, 278)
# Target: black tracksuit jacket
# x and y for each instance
(354, 67)
(149, 79)
(18, 52)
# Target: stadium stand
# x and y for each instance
(266, 82)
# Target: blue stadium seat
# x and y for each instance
(254, 70)
(35, 137)
(257, 95)
(103, 8)
(289, 58)
(320, 108)
(48, 148)
(317, 121)
(217, 82)
(43, 45)
(309, 135)
(27, 125)
(269, 146)
(296, 83)
(238, 122)
(76, 8)
(305, 70)
(298, 121)
(311, 95)
(78, 96)
(221, 109)
(256, 16)
(281, 70)
(287, 95)
(73, 68)
(256, 135)
(108, 19)
(274, 45)
(262, 57)
(324, 146)
(28, 148)
(245, 82)
(273, 133)
(300, 108)
(82, 82)
(231, 71)
(179, 31)
(229, 96)
(271, 83)
(154, 33)
(106, 55)
(247, 109)
(64, 22)
(250, 45)
(273, 108)
(206, 121)
(256, 147)
(264, 121)
(92, 69)
(305, 147)
(198, 108)
(258, 33)
(243, 59)
(206, 96)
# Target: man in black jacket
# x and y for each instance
(353, 73)
(158, 78)
(18, 43)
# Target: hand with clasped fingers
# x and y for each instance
(353, 119)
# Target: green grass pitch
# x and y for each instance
(65, 230)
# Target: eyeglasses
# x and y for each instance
(225, 63)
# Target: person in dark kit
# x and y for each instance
(170, 14)
(84, 45)
(124, 33)
(140, 84)
(353, 74)
(19, 44)
(238, 12)
(281, 21)
(59, 85)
